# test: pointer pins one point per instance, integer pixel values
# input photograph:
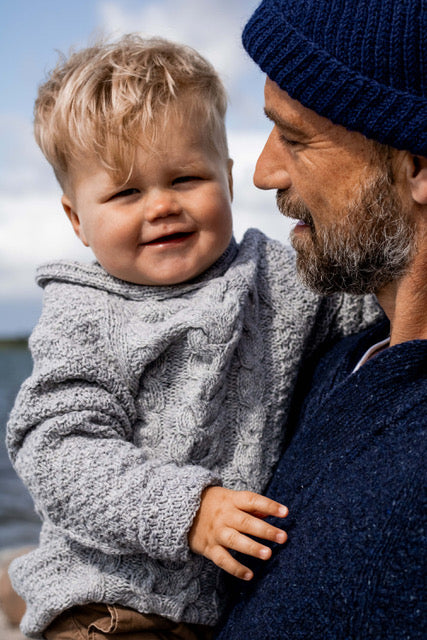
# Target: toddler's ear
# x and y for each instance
(230, 163)
(418, 179)
(73, 217)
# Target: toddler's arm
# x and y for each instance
(225, 519)
(71, 438)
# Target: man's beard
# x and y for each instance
(369, 248)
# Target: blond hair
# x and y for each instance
(103, 99)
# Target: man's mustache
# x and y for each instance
(291, 207)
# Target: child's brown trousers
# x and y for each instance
(113, 622)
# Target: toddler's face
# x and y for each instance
(169, 222)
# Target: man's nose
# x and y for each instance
(160, 203)
(270, 170)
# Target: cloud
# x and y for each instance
(253, 207)
(33, 229)
(213, 28)
(23, 168)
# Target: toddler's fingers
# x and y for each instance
(235, 540)
(257, 504)
(225, 561)
(248, 524)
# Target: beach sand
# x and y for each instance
(7, 630)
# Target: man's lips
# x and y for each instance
(171, 238)
(301, 228)
(300, 221)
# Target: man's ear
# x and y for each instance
(418, 179)
(73, 217)
(230, 163)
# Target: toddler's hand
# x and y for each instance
(224, 517)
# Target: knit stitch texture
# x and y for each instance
(354, 479)
(140, 398)
(360, 63)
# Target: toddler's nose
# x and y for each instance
(160, 203)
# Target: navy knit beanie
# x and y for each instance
(360, 63)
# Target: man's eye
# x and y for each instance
(125, 193)
(287, 142)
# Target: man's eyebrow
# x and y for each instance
(282, 124)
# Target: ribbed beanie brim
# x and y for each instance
(360, 63)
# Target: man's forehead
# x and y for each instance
(291, 114)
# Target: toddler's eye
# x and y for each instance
(125, 193)
(183, 179)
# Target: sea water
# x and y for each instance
(19, 524)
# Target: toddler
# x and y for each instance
(163, 372)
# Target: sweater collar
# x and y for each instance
(94, 275)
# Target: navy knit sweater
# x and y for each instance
(353, 478)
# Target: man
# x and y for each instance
(346, 92)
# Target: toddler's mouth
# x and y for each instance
(173, 237)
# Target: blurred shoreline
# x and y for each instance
(19, 525)
(18, 342)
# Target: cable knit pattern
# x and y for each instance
(354, 480)
(140, 398)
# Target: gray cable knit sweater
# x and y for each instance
(140, 398)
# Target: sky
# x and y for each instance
(33, 227)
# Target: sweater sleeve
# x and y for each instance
(323, 318)
(70, 437)
(354, 313)
(341, 315)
